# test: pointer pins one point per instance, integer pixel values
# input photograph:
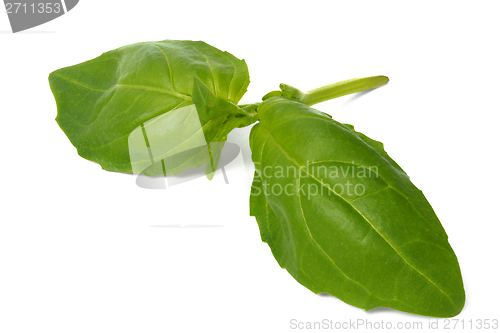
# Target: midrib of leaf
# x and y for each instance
(163, 91)
(229, 90)
(230, 95)
(385, 239)
(353, 207)
(78, 83)
(168, 65)
(243, 86)
(118, 85)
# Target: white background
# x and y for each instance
(80, 248)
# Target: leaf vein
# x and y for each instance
(211, 70)
(360, 214)
(169, 68)
(78, 83)
(319, 246)
(163, 91)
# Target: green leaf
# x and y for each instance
(345, 219)
(218, 117)
(102, 101)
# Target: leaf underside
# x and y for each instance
(102, 101)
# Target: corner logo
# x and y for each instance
(31, 13)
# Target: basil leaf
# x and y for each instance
(102, 101)
(218, 117)
(343, 218)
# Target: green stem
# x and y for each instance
(334, 90)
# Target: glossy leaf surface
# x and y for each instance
(102, 101)
(343, 218)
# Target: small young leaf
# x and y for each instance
(218, 117)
